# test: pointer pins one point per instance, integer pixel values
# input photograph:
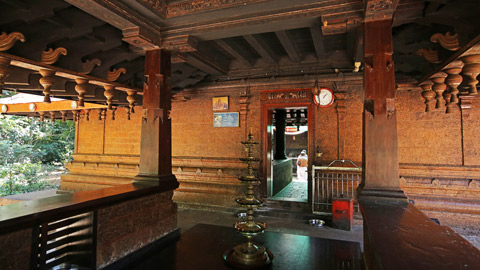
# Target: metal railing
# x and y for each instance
(329, 182)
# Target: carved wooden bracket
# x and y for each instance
(333, 28)
(430, 54)
(51, 56)
(379, 9)
(89, 65)
(7, 41)
(115, 74)
(140, 38)
(109, 94)
(47, 81)
(81, 89)
(181, 44)
(447, 40)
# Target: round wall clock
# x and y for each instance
(32, 107)
(74, 104)
(4, 108)
(324, 98)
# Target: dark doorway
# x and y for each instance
(289, 157)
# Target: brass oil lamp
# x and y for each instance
(249, 255)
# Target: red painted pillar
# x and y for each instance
(380, 146)
(156, 141)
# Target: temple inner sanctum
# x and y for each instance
(248, 134)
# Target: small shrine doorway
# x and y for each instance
(287, 130)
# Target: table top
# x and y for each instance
(202, 247)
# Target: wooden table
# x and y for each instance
(202, 247)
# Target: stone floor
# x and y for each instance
(295, 191)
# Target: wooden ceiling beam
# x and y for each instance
(358, 47)
(59, 22)
(136, 28)
(262, 48)
(205, 64)
(234, 52)
(318, 42)
(273, 17)
(289, 46)
(20, 4)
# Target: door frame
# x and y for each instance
(266, 121)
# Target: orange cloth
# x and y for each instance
(303, 160)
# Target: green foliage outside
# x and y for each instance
(30, 150)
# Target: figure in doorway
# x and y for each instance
(302, 164)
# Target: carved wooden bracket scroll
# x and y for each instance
(115, 74)
(89, 65)
(431, 55)
(7, 41)
(448, 41)
(51, 56)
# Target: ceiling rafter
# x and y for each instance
(289, 46)
(262, 48)
(235, 52)
(318, 41)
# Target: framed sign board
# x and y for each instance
(227, 119)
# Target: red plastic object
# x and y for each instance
(342, 213)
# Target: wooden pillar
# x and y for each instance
(156, 141)
(380, 146)
(280, 140)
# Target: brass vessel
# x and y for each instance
(249, 254)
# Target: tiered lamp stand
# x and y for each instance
(249, 255)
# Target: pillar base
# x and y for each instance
(382, 196)
(161, 179)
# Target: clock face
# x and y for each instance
(4, 108)
(324, 98)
